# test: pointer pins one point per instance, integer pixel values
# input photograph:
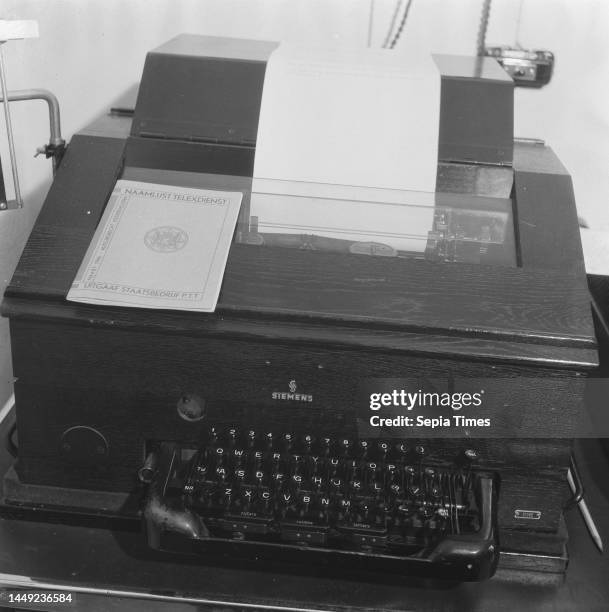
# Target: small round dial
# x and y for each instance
(191, 407)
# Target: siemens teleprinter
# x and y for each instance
(236, 432)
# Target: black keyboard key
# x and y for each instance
(308, 442)
(345, 446)
(382, 450)
(231, 437)
(303, 533)
(316, 465)
(318, 483)
(238, 457)
(334, 467)
(245, 525)
(356, 487)
(221, 474)
(297, 481)
(256, 459)
(269, 441)
(264, 502)
(325, 447)
(287, 442)
(278, 479)
(362, 449)
(251, 439)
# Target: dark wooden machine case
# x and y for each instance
(96, 386)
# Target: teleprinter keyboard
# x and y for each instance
(367, 496)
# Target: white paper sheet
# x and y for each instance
(339, 124)
(400, 226)
(159, 246)
(363, 117)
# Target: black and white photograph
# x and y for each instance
(304, 305)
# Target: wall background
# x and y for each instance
(89, 52)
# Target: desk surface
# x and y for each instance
(114, 571)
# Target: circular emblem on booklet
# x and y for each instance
(166, 239)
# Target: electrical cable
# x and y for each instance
(397, 35)
(578, 494)
(483, 27)
(517, 36)
(394, 19)
(370, 23)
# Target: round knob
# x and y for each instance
(191, 407)
(84, 445)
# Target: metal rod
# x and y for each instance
(588, 520)
(9, 129)
(22, 95)
(6, 409)
(55, 138)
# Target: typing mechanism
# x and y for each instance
(236, 433)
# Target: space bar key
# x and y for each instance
(302, 532)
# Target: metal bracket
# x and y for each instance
(54, 149)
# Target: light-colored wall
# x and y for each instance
(90, 51)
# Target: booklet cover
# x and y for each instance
(159, 246)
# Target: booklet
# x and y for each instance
(159, 246)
